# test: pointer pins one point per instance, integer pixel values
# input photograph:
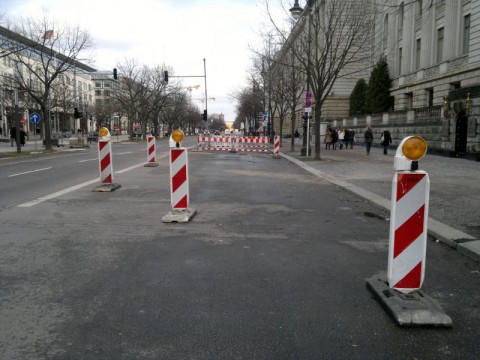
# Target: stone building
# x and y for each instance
(433, 52)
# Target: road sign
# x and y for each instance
(35, 118)
(308, 95)
(308, 103)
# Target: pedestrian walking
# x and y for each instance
(351, 138)
(341, 137)
(368, 136)
(23, 135)
(334, 139)
(296, 135)
(328, 138)
(13, 135)
(385, 140)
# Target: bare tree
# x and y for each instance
(43, 50)
(335, 40)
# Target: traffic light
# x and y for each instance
(165, 76)
(204, 116)
(77, 114)
(115, 76)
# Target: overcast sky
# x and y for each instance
(178, 33)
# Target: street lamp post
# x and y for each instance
(296, 12)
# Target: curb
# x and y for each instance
(464, 243)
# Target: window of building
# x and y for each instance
(107, 84)
(399, 61)
(440, 44)
(106, 93)
(466, 34)
(98, 92)
(430, 97)
(98, 84)
(409, 100)
(401, 15)
(418, 53)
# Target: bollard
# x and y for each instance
(151, 152)
(276, 147)
(105, 163)
(179, 186)
(408, 221)
(400, 294)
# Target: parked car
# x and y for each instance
(92, 136)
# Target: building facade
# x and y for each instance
(73, 89)
(433, 51)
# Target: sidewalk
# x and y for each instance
(454, 188)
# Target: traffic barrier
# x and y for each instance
(400, 294)
(409, 214)
(179, 178)
(408, 231)
(151, 152)
(233, 144)
(276, 147)
(105, 163)
(179, 183)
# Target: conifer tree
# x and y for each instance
(358, 98)
(378, 92)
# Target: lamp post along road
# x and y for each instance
(296, 12)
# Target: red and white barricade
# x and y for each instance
(179, 195)
(106, 167)
(246, 144)
(179, 178)
(151, 152)
(276, 147)
(408, 230)
(105, 161)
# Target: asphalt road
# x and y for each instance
(273, 266)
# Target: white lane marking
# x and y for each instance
(57, 194)
(82, 161)
(28, 172)
(76, 187)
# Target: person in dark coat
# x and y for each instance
(13, 135)
(351, 138)
(368, 136)
(387, 140)
(23, 135)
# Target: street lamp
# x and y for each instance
(296, 12)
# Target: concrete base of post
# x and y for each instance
(150, 164)
(179, 215)
(413, 309)
(106, 187)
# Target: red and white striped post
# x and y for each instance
(179, 178)
(105, 163)
(179, 184)
(409, 215)
(276, 147)
(151, 152)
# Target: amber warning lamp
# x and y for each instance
(178, 136)
(410, 150)
(103, 132)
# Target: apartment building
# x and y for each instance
(73, 89)
(433, 52)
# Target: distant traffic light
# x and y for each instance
(204, 116)
(77, 114)
(115, 76)
(165, 76)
